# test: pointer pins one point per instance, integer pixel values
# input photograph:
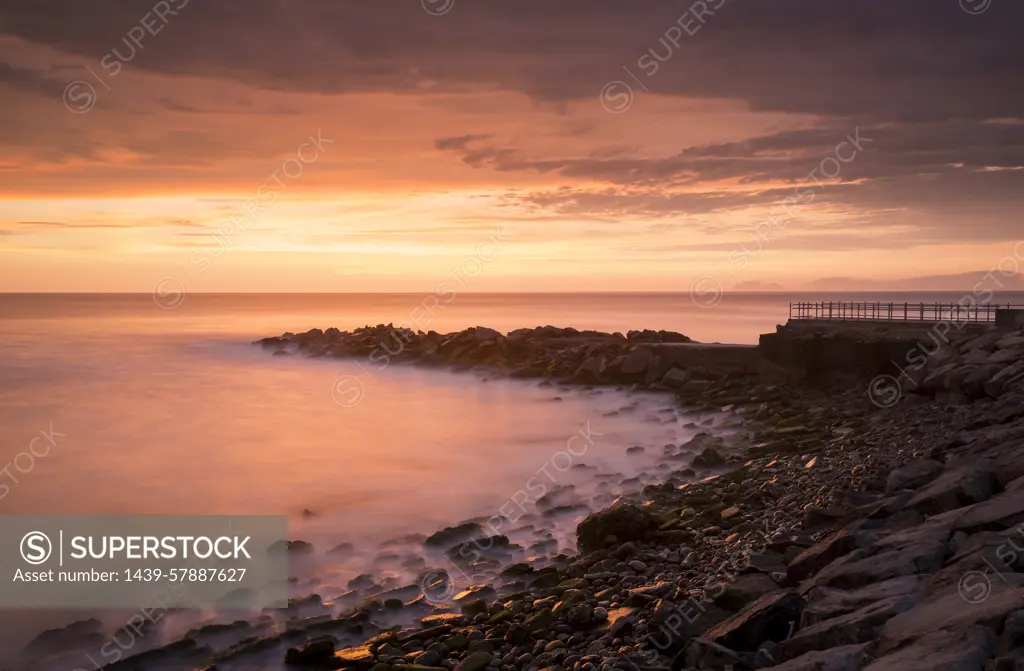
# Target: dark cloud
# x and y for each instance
(872, 59)
(457, 143)
(30, 80)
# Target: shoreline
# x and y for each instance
(745, 568)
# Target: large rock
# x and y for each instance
(845, 658)
(812, 559)
(953, 650)
(773, 617)
(998, 513)
(950, 610)
(824, 603)
(857, 569)
(617, 524)
(955, 488)
(913, 475)
(859, 626)
(735, 594)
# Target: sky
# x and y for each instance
(527, 145)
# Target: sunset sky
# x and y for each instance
(381, 145)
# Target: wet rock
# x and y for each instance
(360, 657)
(290, 548)
(620, 522)
(449, 536)
(315, 653)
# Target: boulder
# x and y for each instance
(773, 617)
(812, 559)
(859, 626)
(636, 363)
(709, 458)
(449, 536)
(824, 603)
(950, 610)
(913, 475)
(614, 525)
(844, 658)
(956, 650)
(735, 594)
(1001, 512)
(857, 569)
(675, 378)
(955, 488)
(319, 652)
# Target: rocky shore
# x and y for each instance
(835, 533)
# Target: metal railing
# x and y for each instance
(877, 311)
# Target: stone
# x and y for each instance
(998, 383)
(675, 378)
(624, 521)
(709, 458)
(857, 569)
(636, 363)
(701, 654)
(735, 594)
(770, 618)
(843, 658)
(833, 547)
(1000, 512)
(360, 657)
(474, 592)
(731, 512)
(957, 650)
(449, 536)
(314, 653)
(859, 626)
(913, 475)
(824, 603)
(951, 611)
(955, 488)
(475, 661)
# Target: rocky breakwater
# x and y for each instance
(650, 359)
(964, 368)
